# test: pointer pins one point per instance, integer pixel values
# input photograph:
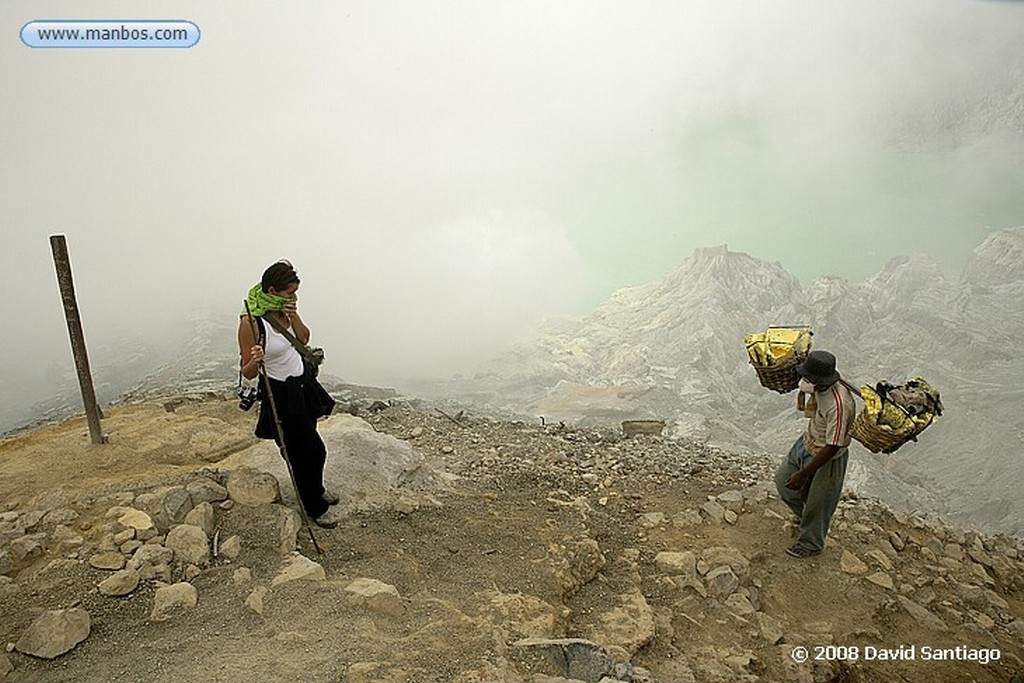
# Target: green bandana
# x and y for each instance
(260, 302)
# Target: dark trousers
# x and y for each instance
(307, 455)
(306, 451)
(816, 512)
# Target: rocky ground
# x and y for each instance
(499, 551)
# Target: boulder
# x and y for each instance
(376, 596)
(189, 544)
(629, 625)
(251, 486)
(54, 633)
(172, 599)
(201, 516)
(573, 658)
(205, 490)
(298, 568)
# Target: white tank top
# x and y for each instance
(280, 359)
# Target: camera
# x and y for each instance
(247, 397)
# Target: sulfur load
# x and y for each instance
(775, 354)
(895, 414)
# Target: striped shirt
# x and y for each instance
(830, 424)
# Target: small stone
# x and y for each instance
(731, 500)
(731, 517)
(189, 544)
(416, 432)
(242, 575)
(123, 537)
(896, 541)
(721, 581)
(231, 548)
(120, 583)
(25, 547)
(881, 579)
(739, 605)
(254, 602)
(376, 596)
(713, 512)
(851, 564)
(922, 615)
(298, 568)
(169, 600)
(650, 520)
(129, 547)
(191, 572)
(769, 627)
(201, 516)
(135, 519)
(881, 558)
(205, 490)
(684, 563)
(111, 560)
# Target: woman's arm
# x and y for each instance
(251, 352)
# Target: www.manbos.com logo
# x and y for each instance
(56, 33)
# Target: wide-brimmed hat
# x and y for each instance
(819, 368)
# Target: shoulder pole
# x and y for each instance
(280, 437)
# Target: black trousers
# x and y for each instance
(305, 449)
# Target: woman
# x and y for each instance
(299, 398)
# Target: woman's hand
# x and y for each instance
(290, 308)
(256, 353)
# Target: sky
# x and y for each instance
(446, 174)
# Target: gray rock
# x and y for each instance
(713, 512)
(54, 633)
(205, 490)
(720, 555)
(5, 666)
(721, 581)
(573, 657)
(27, 546)
(175, 504)
(6, 562)
(59, 516)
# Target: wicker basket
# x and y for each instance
(778, 371)
(782, 377)
(877, 438)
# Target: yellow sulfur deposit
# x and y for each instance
(889, 417)
(778, 345)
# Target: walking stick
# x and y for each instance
(280, 436)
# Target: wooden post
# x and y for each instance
(67, 292)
